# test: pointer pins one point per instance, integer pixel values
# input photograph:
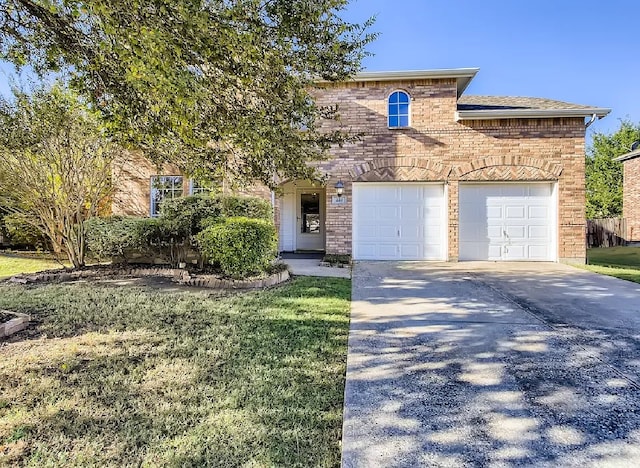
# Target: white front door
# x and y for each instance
(507, 221)
(310, 229)
(399, 221)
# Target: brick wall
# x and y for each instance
(132, 180)
(437, 148)
(631, 198)
(434, 148)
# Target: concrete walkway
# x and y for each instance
(485, 364)
(311, 267)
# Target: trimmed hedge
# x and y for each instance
(111, 237)
(174, 235)
(237, 206)
(185, 214)
(240, 245)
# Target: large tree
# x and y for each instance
(217, 85)
(603, 174)
(55, 165)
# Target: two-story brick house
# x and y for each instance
(438, 175)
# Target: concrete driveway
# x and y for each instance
(491, 364)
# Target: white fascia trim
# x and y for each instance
(625, 157)
(529, 113)
(416, 74)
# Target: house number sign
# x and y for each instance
(336, 200)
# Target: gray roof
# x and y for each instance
(468, 102)
(479, 107)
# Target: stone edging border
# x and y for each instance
(14, 325)
(177, 275)
(335, 265)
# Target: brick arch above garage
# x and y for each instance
(506, 168)
(400, 170)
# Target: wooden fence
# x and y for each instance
(606, 232)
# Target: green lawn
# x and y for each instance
(22, 262)
(140, 376)
(621, 262)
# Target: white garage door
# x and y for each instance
(508, 221)
(398, 221)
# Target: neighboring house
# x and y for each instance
(631, 192)
(437, 175)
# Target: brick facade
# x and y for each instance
(434, 148)
(631, 198)
(438, 148)
(132, 180)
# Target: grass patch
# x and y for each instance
(620, 262)
(615, 257)
(19, 262)
(142, 376)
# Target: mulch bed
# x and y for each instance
(177, 275)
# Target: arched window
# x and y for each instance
(399, 109)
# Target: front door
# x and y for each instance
(310, 219)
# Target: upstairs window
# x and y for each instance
(164, 188)
(399, 109)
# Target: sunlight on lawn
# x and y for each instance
(620, 262)
(16, 263)
(141, 376)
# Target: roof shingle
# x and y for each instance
(469, 102)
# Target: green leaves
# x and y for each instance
(603, 174)
(219, 86)
(55, 165)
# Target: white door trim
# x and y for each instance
(301, 243)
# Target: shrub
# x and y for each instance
(184, 215)
(247, 207)
(111, 237)
(240, 246)
(21, 233)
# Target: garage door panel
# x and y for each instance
(538, 252)
(513, 191)
(411, 213)
(411, 195)
(515, 252)
(492, 232)
(494, 212)
(386, 213)
(411, 233)
(514, 212)
(411, 251)
(538, 232)
(540, 190)
(516, 232)
(407, 221)
(507, 222)
(538, 212)
(383, 231)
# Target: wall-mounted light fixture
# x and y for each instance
(339, 188)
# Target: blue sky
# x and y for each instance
(582, 51)
(586, 52)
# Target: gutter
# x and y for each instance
(625, 157)
(530, 113)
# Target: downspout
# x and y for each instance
(593, 119)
